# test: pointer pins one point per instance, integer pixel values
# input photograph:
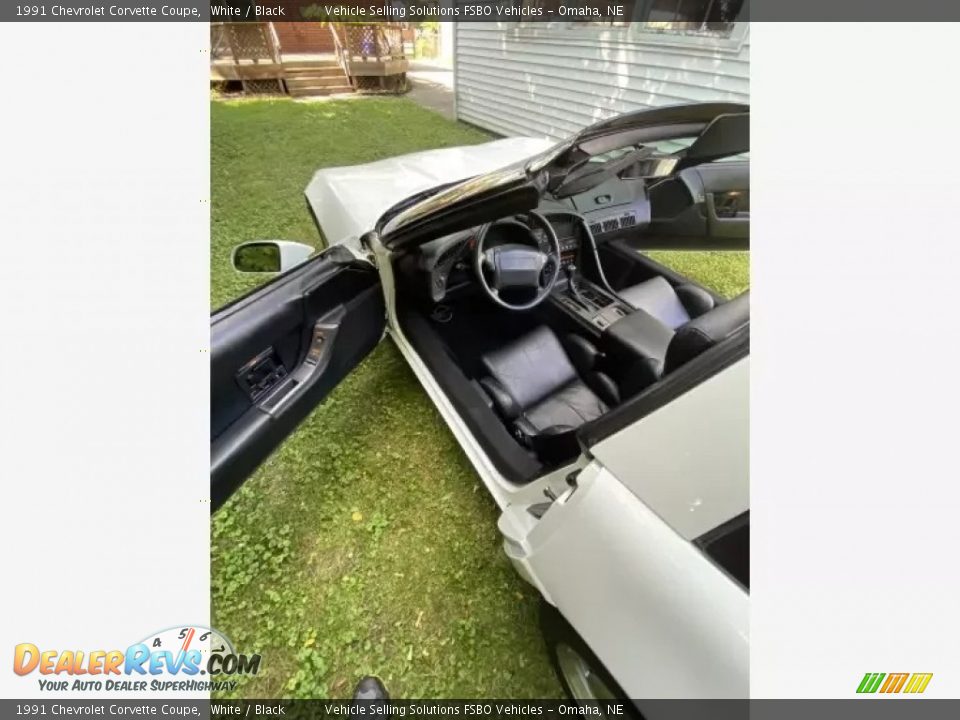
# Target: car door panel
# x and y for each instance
(276, 353)
(706, 207)
(726, 190)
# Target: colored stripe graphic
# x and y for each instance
(870, 682)
(918, 682)
(895, 682)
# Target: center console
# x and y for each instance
(591, 305)
(587, 302)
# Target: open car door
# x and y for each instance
(705, 205)
(277, 352)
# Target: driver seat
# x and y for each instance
(547, 390)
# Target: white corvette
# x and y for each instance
(601, 397)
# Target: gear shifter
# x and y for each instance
(570, 270)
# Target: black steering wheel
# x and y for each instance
(515, 266)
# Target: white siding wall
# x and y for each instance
(538, 80)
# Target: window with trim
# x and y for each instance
(711, 18)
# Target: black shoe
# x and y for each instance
(370, 688)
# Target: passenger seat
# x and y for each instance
(644, 349)
(673, 306)
(702, 333)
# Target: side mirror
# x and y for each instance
(269, 256)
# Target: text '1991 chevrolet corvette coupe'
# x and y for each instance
(601, 396)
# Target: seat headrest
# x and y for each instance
(707, 330)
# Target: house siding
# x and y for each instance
(516, 80)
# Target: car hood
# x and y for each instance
(347, 201)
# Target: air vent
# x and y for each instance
(595, 228)
(611, 224)
(628, 220)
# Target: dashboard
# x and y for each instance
(567, 234)
(447, 262)
(708, 201)
(611, 209)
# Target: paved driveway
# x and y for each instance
(431, 85)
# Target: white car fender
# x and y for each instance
(664, 620)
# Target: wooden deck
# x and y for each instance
(301, 74)
(364, 57)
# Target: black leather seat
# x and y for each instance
(673, 306)
(702, 333)
(546, 389)
(645, 349)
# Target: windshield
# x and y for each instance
(646, 128)
(669, 146)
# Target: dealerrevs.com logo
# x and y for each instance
(893, 683)
(182, 659)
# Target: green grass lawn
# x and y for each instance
(366, 544)
(726, 272)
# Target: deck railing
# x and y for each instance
(371, 55)
(244, 42)
(356, 41)
(339, 49)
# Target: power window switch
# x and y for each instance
(316, 348)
